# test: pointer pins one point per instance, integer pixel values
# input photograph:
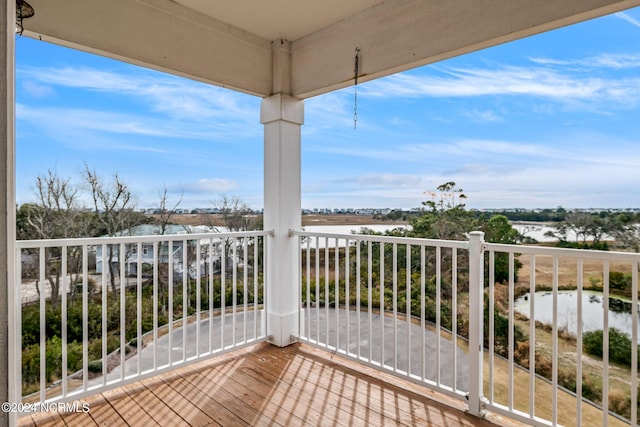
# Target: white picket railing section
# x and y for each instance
(429, 311)
(569, 381)
(359, 290)
(172, 299)
(426, 310)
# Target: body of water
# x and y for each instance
(537, 230)
(343, 229)
(593, 310)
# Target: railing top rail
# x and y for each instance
(385, 239)
(565, 252)
(25, 244)
(498, 247)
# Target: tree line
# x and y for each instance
(107, 206)
(99, 206)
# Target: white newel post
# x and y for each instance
(476, 322)
(282, 116)
(9, 341)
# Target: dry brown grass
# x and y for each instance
(543, 393)
(195, 219)
(619, 382)
(592, 272)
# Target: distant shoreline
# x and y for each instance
(337, 219)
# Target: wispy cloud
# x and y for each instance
(473, 147)
(447, 151)
(60, 119)
(174, 97)
(603, 60)
(37, 90)
(484, 116)
(476, 170)
(90, 130)
(382, 180)
(544, 82)
(66, 124)
(626, 17)
(208, 186)
(329, 111)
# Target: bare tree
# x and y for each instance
(55, 216)
(164, 220)
(114, 205)
(165, 213)
(236, 214)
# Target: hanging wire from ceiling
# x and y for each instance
(356, 71)
(23, 11)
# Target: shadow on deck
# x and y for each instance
(266, 385)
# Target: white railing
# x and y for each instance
(570, 394)
(126, 308)
(358, 292)
(443, 314)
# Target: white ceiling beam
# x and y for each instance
(402, 34)
(158, 34)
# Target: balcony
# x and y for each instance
(389, 330)
(267, 385)
(439, 316)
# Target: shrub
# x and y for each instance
(591, 388)
(501, 331)
(521, 353)
(544, 365)
(95, 366)
(619, 345)
(620, 281)
(620, 403)
(53, 357)
(567, 378)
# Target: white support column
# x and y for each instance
(476, 323)
(9, 341)
(282, 117)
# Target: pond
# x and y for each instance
(592, 310)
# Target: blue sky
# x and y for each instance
(551, 120)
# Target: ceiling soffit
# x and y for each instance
(279, 19)
(229, 43)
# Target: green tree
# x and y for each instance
(445, 217)
(497, 229)
(624, 229)
(588, 229)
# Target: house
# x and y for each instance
(284, 52)
(151, 253)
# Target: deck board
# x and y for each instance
(266, 385)
(128, 408)
(102, 413)
(183, 406)
(160, 412)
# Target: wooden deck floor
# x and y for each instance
(266, 385)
